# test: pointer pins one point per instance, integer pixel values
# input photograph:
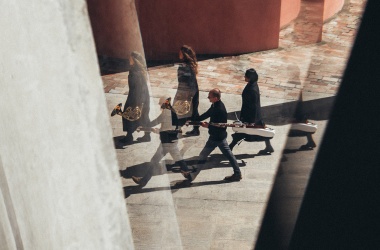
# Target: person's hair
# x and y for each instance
(251, 74)
(139, 61)
(216, 93)
(164, 102)
(190, 58)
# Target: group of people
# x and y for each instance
(184, 111)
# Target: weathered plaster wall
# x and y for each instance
(210, 27)
(115, 26)
(289, 11)
(332, 7)
(60, 186)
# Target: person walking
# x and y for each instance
(217, 137)
(186, 100)
(251, 111)
(137, 105)
(169, 141)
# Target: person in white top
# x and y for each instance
(169, 140)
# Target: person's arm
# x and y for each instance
(157, 121)
(204, 116)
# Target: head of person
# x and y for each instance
(214, 95)
(251, 75)
(164, 102)
(136, 60)
(188, 56)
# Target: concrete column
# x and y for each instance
(59, 172)
(115, 26)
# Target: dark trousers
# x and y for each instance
(208, 148)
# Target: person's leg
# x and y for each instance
(145, 137)
(223, 146)
(268, 148)
(195, 104)
(236, 176)
(142, 181)
(173, 150)
(128, 137)
(310, 141)
(236, 138)
(129, 127)
(144, 123)
(206, 151)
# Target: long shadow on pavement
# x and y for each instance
(121, 145)
(130, 190)
(214, 161)
(281, 114)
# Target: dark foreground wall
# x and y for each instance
(340, 209)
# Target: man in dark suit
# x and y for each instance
(251, 112)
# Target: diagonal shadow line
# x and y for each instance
(282, 114)
(130, 190)
(282, 209)
(215, 161)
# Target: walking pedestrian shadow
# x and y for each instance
(116, 142)
(292, 151)
(139, 170)
(174, 187)
(121, 145)
(282, 114)
(214, 161)
(286, 151)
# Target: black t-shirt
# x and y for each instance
(217, 114)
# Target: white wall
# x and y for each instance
(60, 182)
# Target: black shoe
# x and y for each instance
(306, 147)
(234, 177)
(138, 181)
(184, 183)
(266, 151)
(194, 132)
(176, 169)
(116, 110)
(187, 175)
(127, 139)
(145, 138)
(183, 166)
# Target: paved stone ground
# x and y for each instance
(212, 214)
